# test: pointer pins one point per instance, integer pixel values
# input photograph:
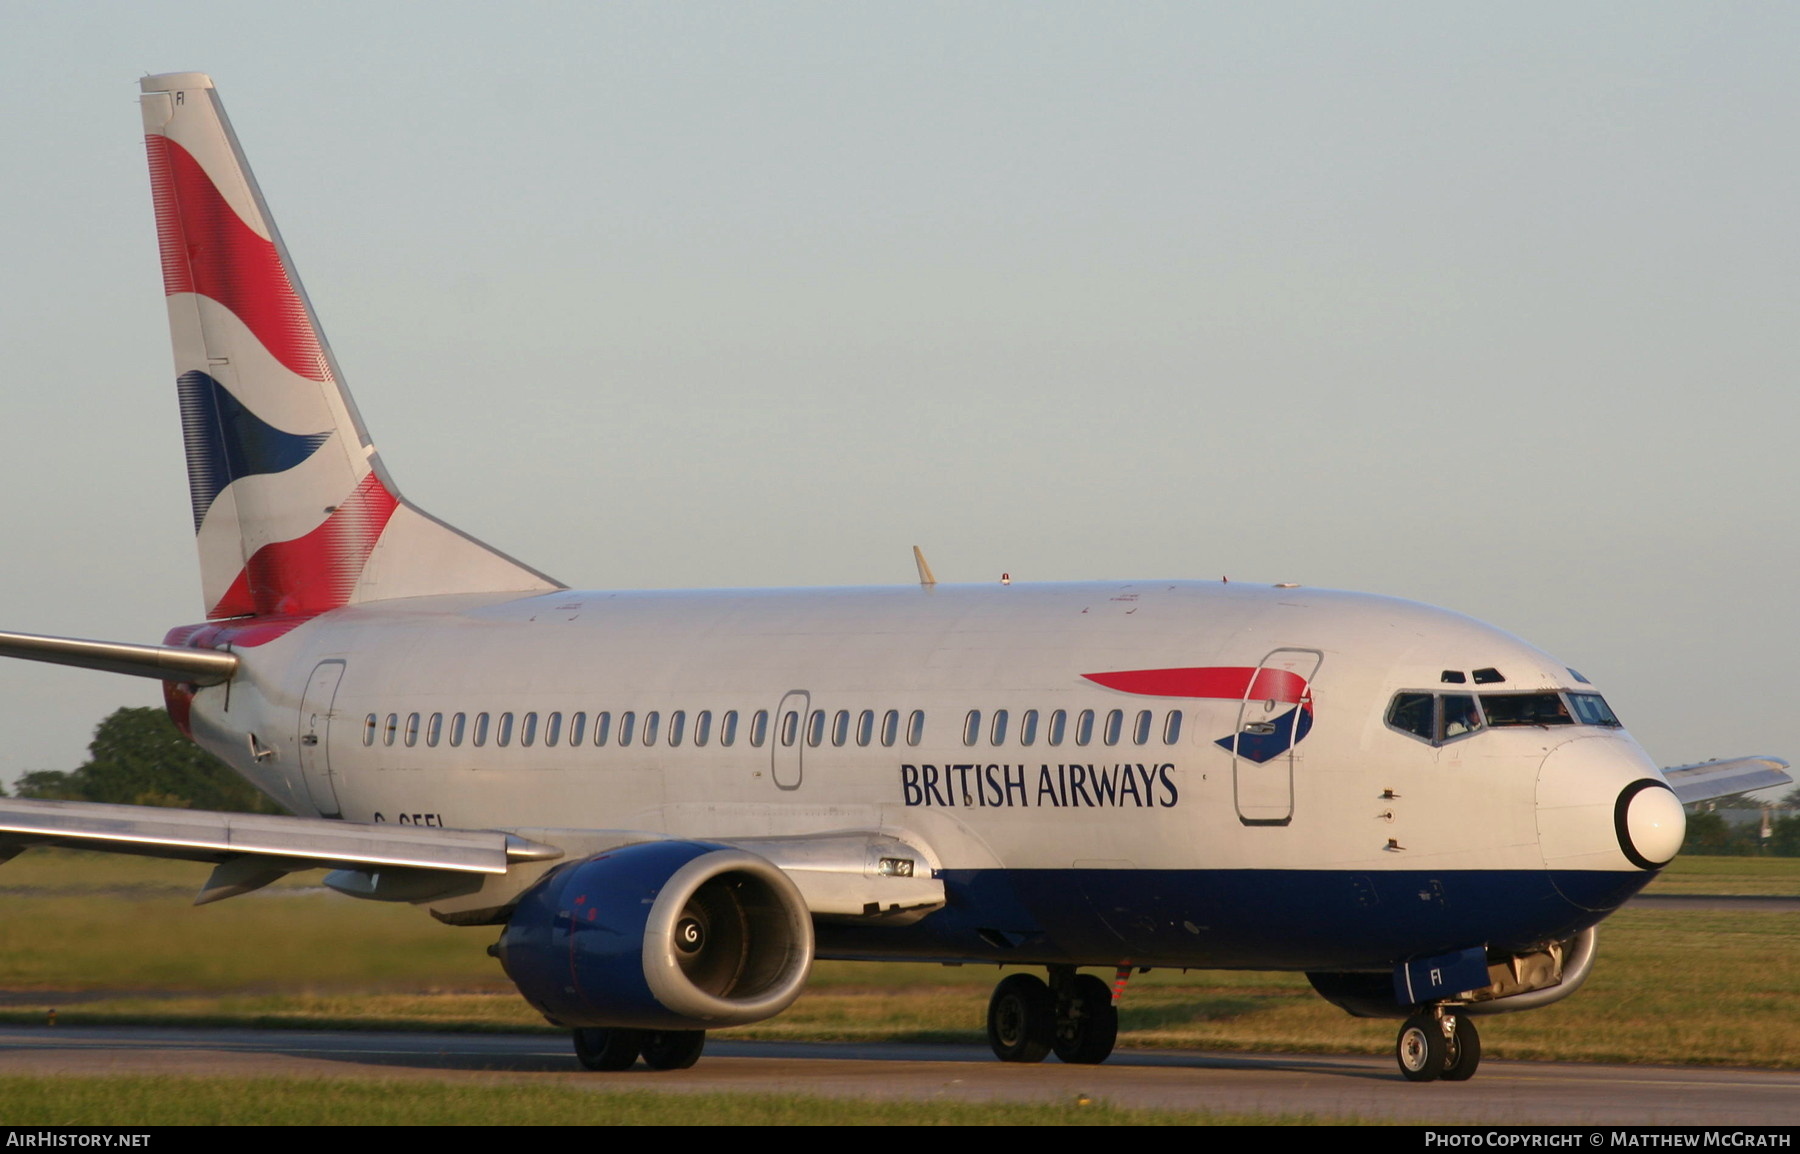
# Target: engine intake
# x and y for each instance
(661, 935)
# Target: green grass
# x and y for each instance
(78, 922)
(458, 1011)
(1765, 876)
(77, 936)
(76, 872)
(144, 1101)
(140, 943)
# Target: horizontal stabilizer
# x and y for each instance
(164, 662)
(1726, 778)
(273, 845)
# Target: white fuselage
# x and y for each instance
(1353, 796)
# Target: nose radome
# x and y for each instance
(1650, 823)
(1602, 805)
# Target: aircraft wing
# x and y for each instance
(855, 875)
(252, 850)
(842, 875)
(1709, 779)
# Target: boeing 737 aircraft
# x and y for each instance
(670, 803)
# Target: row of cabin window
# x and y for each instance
(1056, 728)
(553, 731)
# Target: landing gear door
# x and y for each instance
(315, 737)
(787, 744)
(1273, 718)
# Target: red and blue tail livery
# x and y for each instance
(293, 511)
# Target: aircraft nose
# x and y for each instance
(1602, 805)
(1650, 823)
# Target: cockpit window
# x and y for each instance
(1434, 717)
(1591, 709)
(1414, 713)
(1460, 715)
(1505, 709)
(1444, 717)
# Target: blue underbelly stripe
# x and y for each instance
(1243, 919)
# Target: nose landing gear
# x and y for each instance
(1074, 1016)
(1437, 1044)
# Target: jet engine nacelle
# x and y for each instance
(665, 935)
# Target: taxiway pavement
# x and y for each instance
(1335, 1086)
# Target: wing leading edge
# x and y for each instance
(474, 873)
(251, 850)
(1710, 779)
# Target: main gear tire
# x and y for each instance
(1021, 1022)
(608, 1050)
(1089, 1026)
(673, 1049)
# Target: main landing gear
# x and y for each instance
(1073, 1015)
(1436, 1043)
(619, 1049)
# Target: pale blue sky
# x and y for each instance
(1489, 306)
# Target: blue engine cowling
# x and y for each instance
(663, 935)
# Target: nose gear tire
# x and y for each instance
(1465, 1052)
(1421, 1048)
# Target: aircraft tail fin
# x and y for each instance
(293, 510)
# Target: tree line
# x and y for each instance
(138, 757)
(1710, 832)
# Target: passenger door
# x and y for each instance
(315, 737)
(1273, 718)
